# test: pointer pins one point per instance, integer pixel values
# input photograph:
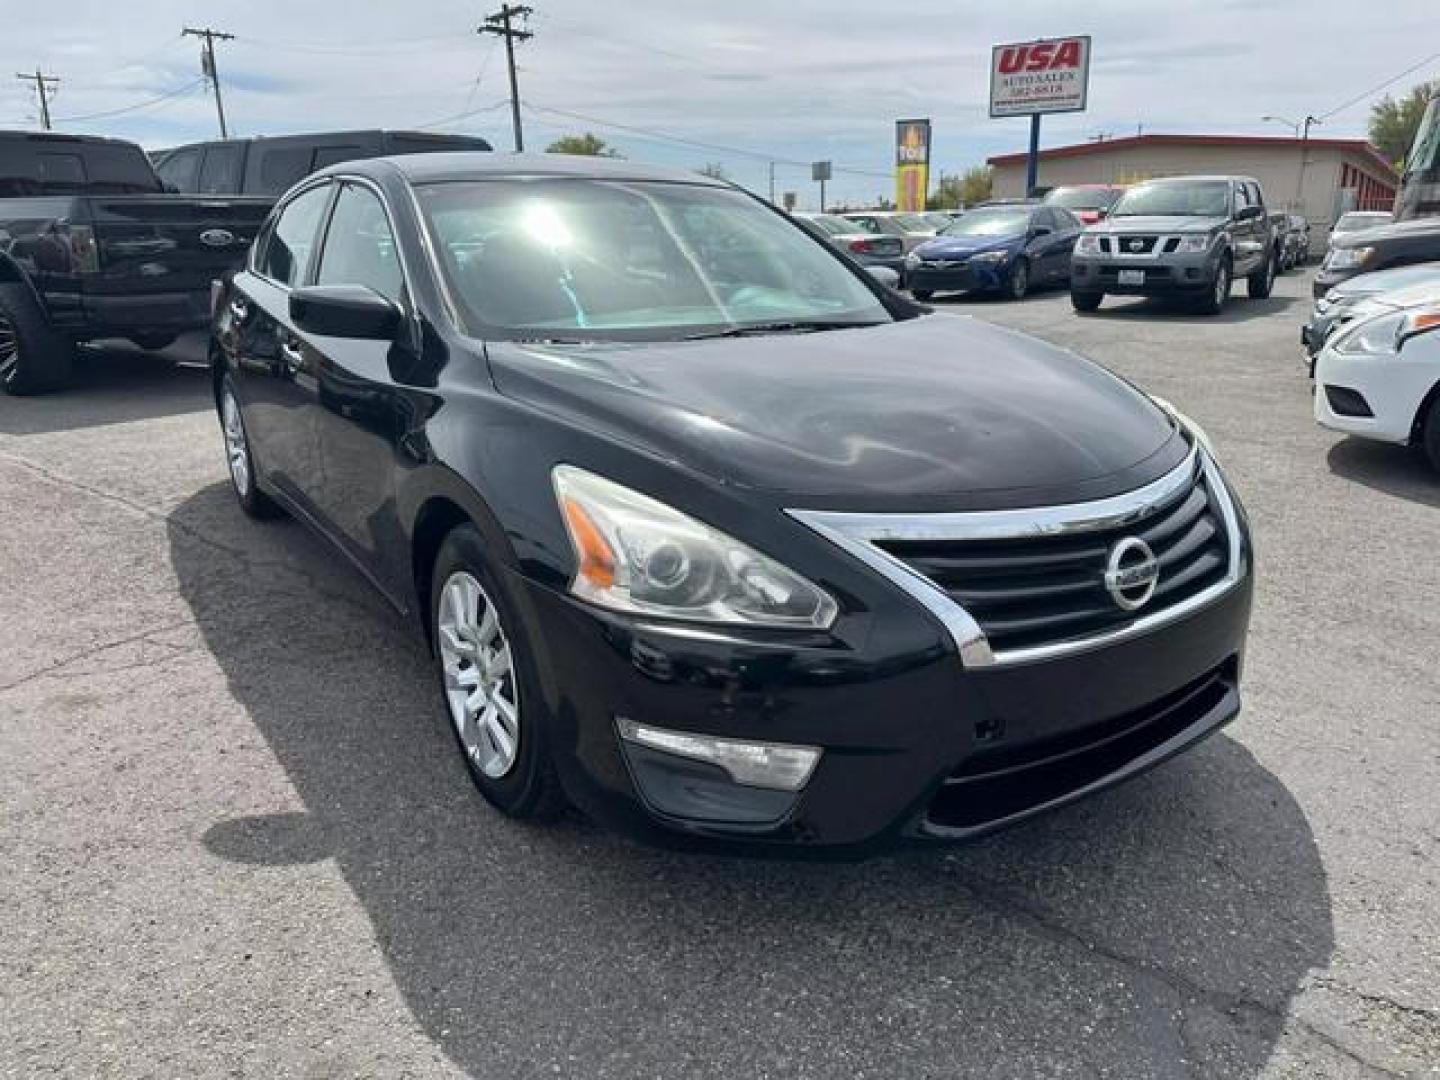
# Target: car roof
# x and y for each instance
(1227, 177)
(450, 166)
(62, 137)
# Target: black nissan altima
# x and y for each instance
(711, 534)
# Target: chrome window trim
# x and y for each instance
(303, 187)
(406, 278)
(857, 534)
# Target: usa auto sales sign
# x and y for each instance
(1046, 76)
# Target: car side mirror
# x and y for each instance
(1249, 213)
(885, 276)
(344, 311)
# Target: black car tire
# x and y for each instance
(1086, 301)
(1261, 283)
(922, 295)
(531, 788)
(1216, 292)
(252, 500)
(33, 358)
(1430, 434)
(1019, 284)
(154, 342)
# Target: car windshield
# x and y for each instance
(1362, 220)
(1079, 198)
(835, 226)
(992, 221)
(914, 223)
(1203, 198)
(590, 259)
(938, 220)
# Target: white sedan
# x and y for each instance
(1379, 378)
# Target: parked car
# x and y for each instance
(92, 247)
(1005, 249)
(912, 229)
(1363, 251)
(1379, 377)
(867, 248)
(269, 166)
(709, 543)
(1088, 202)
(1187, 237)
(1359, 220)
(1292, 239)
(1345, 301)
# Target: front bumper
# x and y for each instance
(1164, 274)
(1390, 389)
(959, 275)
(916, 748)
(1326, 278)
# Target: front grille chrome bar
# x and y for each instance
(860, 535)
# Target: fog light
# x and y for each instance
(777, 766)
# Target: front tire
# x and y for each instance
(33, 358)
(1430, 435)
(1086, 301)
(1219, 291)
(1259, 285)
(1019, 280)
(243, 477)
(489, 682)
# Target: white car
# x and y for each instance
(1379, 377)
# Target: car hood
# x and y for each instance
(1159, 223)
(943, 247)
(1384, 280)
(1420, 231)
(937, 412)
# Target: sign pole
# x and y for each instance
(1032, 162)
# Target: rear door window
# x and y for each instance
(333, 155)
(287, 252)
(219, 175)
(180, 170)
(275, 169)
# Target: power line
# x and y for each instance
(207, 66)
(500, 25)
(1376, 89)
(445, 120)
(43, 84)
(135, 107)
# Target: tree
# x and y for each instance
(587, 144)
(956, 190)
(1393, 123)
(714, 170)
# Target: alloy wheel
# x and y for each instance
(479, 670)
(9, 349)
(1222, 285)
(237, 450)
(1019, 281)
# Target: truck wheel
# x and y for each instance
(1213, 302)
(154, 342)
(1259, 284)
(33, 358)
(1086, 301)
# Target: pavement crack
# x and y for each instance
(58, 666)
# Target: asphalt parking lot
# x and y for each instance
(236, 839)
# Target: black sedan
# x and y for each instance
(1004, 249)
(711, 534)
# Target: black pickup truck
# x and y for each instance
(92, 246)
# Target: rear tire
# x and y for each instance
(479, 642)
(922, 295)
(1259, 284)
(1430, 435)
(33, 357)
(1086, 301)
(243, 475)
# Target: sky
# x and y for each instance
(793, 80)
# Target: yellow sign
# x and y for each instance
(912, 164)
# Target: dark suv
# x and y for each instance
(266, 166)
(1184, 236)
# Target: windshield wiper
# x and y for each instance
(795, 326)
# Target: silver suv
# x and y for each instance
(1184, 236)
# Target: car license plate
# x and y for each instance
(1132, 277)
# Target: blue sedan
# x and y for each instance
(1004, 249)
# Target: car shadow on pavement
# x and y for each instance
(1239, 309)
(113, 384)
(1394, 470)
(1157, 930)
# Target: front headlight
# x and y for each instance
(637, 555)
(991, 257)
(1348, 258)
(912, 260)
(1384, 335)
(1193, 242)
(1088, 244)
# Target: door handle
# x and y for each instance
(239, 310)
(293, 357)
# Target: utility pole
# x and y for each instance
(772, 183)
(1304, 162)
(500, 24)
(208, 68)
(43, 85)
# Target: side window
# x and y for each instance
(287, 254)
(179, 169)
(61, 173)
(331, 155)
(218, 173)
(1242, 198)
(359, 246)
(275, 169)
(1256, 199)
